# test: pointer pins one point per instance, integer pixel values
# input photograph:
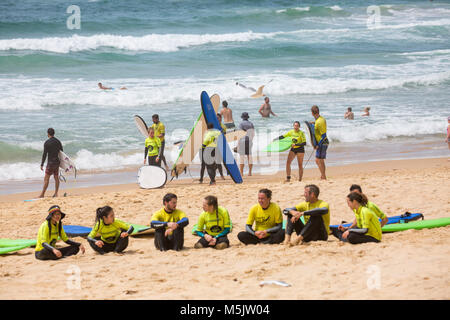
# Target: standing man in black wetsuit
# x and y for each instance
(51, 148)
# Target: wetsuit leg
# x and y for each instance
(70, 250)
(314, 230)
(223, 239)
(45, 254)
(161, 242)
(247, 238)
(152, 161)
(203, 166)
(297, 226)
(357, 238)
(210, 159)
(162, 157)
(121, 244)
(219, 167)
(203, 242)
(177, 239)
(274, 238)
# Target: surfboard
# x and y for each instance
(139, 228)
(151, 177)
(279, 145)
(141, 125)
(5, 250)
(193, 143)
(417, 225)
(66, 164)
(222, 145)
(404, 218)
(76, 231)
(312, 137)
(235, 135)
(17, 242)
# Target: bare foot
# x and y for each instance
(41, 196)
(55, 195)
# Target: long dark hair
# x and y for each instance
(101, 213)
(212, 201)
(360, 198)
(49, 221)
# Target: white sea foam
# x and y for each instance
(335, 8)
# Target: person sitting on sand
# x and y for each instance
(266, 109)
(109, 234)
(297, 150)
(368, 228)
(169, 224)
(49, 232)
(213, 225)
(101, 86)
(349, 114)
(316, 214)
(268, 222)
(366, 112)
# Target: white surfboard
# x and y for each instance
(235, 135)
(151, 177)
(66, 164)
(141, 125)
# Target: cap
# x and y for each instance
(54, 209)
(244, 115)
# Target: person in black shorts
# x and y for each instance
(52, 147)
(245, 144)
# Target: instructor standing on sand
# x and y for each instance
(52, 147)
(320, 132)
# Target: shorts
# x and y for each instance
(52, 169)
(229, 125)
(298, 150)
(244, 147)
(321, 152)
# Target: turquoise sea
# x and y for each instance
(393, 56)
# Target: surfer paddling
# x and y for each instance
(52, 147)
(101, 86)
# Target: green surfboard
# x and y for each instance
(279, 145)
(4, 243)
(138, 228)
(4, 250)
(417, 225)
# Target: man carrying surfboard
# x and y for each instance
(320, 132)
(160, 132)
(51, 149)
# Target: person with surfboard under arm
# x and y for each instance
(52, 147)
(169, 224)
(160, 132)
(152, 149)
(320, 132)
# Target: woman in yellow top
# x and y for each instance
(297, 150)
(152, 149)
(213, 225)
(49, 232)
(368, 227)
(268, 222)
(109, 234)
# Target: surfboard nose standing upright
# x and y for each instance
(51, 149)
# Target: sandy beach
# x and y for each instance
(412, 264)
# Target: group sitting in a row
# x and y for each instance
(214, 225)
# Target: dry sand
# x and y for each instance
(405, 265)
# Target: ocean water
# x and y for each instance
(335, 54)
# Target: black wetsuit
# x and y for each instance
(51, 148)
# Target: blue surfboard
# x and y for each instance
(225, 151)
(76, 231)
(404, 218)
(312, 136)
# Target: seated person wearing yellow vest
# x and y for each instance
(169, 223)
(48, 234)
(317, 218)
(209, 153)
(160, 132)
(372, 206)
(368, 228)
(152, 149)
(109, 234)
(297, 150)
(213, 225)
(268, 222)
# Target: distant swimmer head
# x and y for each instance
(266, 99)
(225, 103)
(51, 132)
(245, 115)
(349, 109)
(448, 119)
(367, 109)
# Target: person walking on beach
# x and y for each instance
(52, 147)
(213, 225)
(49, 232)
(268, 222)
(109, 234)
(320, 132)
(245, 144)
(227, 115)
(266, 109)
(316, 213)
(169, 224)
(160, 132)
(366, 112)
(209, 153)
(152, 149)
(349, 114)
(297, 150)
(368, 228)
